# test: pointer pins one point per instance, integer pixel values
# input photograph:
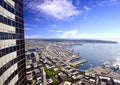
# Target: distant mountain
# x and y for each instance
(77, 40)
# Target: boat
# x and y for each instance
(81, 64)
(115, 68)
(106, 64)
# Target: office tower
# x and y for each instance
(44, 81)
(12, 49)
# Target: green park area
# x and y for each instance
(51, 74)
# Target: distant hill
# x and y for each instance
(77, 40)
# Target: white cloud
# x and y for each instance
(78, 35)
(59, 31)
(29, 25)
(32, 36)
(87, 8)
(53, 26)
(86, 12)
(55, 30)
(58, 9)
(74, 34)
(28, 28)
(112, 36)
(109, 2)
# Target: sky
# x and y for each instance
(73, 19)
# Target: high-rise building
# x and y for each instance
(44, 81)
(12, 49)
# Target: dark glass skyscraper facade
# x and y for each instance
(12, 49)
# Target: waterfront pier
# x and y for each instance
(81, 61)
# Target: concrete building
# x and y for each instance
(44, 81)
(12, 49)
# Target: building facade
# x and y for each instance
(12, 49)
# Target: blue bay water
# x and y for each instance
(97, 54)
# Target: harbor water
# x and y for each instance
(98, 54)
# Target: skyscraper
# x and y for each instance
(44, 82)
(12, 49)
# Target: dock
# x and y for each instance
(99, 70)
(81, 61)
